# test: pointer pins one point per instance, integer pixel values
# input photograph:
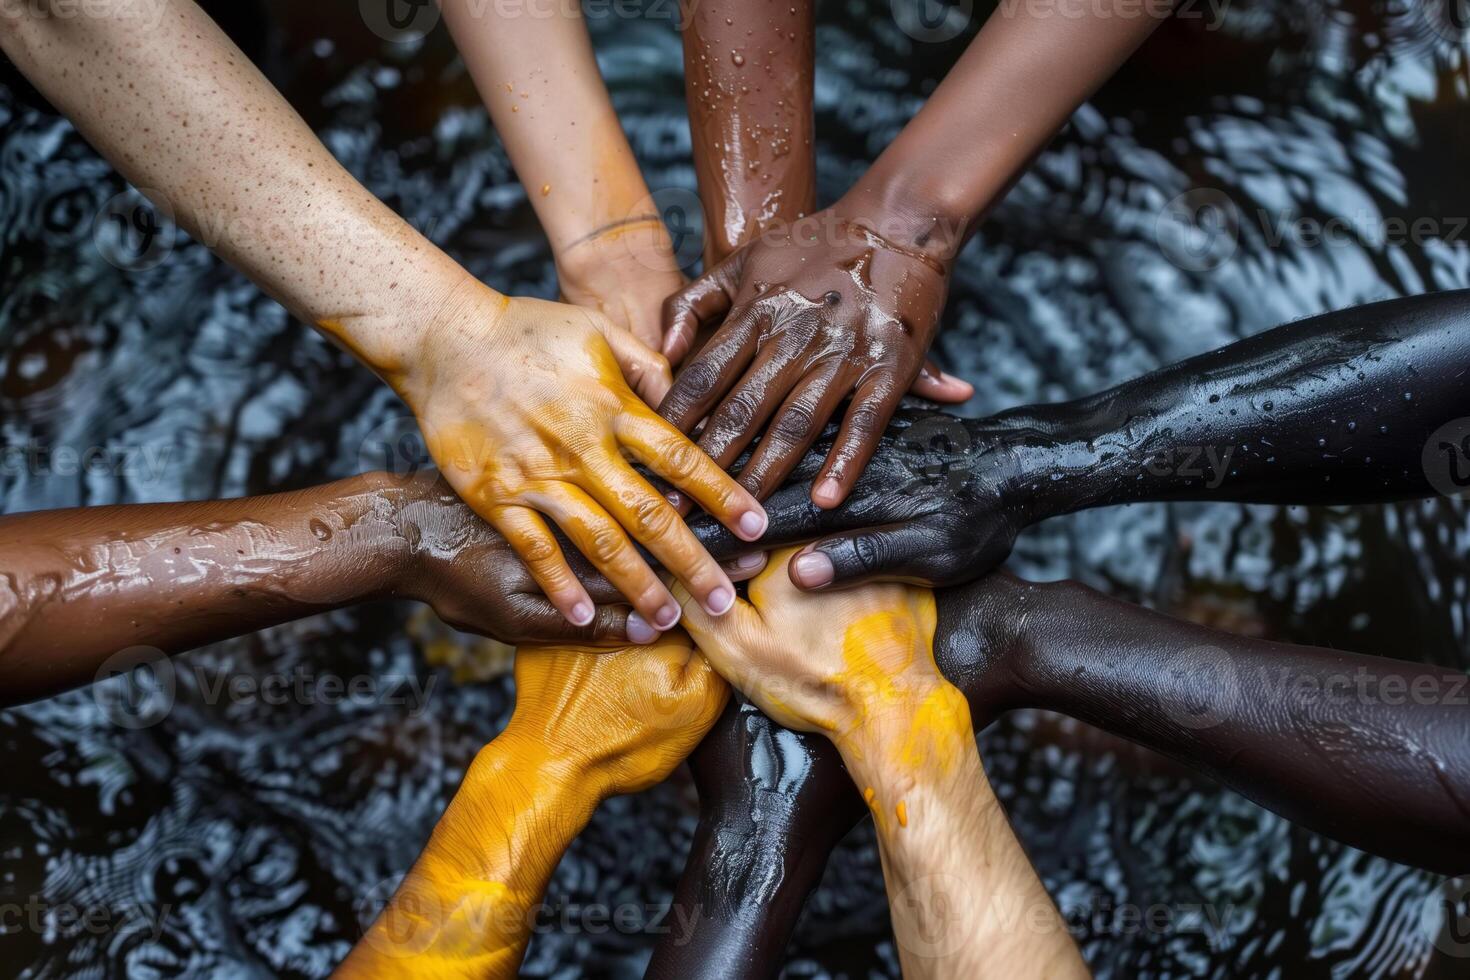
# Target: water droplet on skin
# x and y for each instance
(737, 58)
(1321, 443)
(1214, 398)
(320, 531)
(545, 189)
(1352, 427)
(1408, 396)
(1268, 406)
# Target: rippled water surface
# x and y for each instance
(244, 839)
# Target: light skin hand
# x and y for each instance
(587, 725)
(527, 414)
(858, 666)
(538, 76)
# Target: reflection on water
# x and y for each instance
(243, 838)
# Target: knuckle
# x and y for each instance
(653, 517)
(737, 414)
(794, 425)
(537, 551)
(682, 460)
(698, 379)
(604, 545)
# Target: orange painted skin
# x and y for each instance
(858, 666)
(587, 725)
(543, 428)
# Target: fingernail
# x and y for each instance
(667, 616)
(719, 601)
(812, 570)
(582, 614)
(639, 631)
(824, 494)
(752, 560)
(752, 524)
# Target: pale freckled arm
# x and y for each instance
(186, 117)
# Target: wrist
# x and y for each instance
(556, 793)
(910, 211)
(902, 755)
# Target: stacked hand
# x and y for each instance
(524, 407)
(814, 313)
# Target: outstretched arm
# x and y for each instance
(1355, 406)
(81, 585)
(1369, 751)
(587, 725)
(538, 76)
(846, 302)
(528, 407)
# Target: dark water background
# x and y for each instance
(257, 835)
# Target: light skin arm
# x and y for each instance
(537, 74)
(528, 407)
(859, 668)
(854, 292)
(587, 725)
(81, 585)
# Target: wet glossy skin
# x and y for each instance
(84, 584)
(813, 313)
(748, 70)
(587, 725)
(1287, 726)
(846, 302)
(1337, 408)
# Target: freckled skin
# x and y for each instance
(536, 71)
(80, 585)
(788, 355)
(1311, 412)
(182, 113)
(587, 726)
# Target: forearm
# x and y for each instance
(1338, 408)
(1015, 86)
(81, 585)
(1370, 751)
(748, 71)
(773, 805)
(466, 908)
(185, 116)
(963, 897)
(536, 71)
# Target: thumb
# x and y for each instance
(940, 386)
(725, 639)
(645, 369)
